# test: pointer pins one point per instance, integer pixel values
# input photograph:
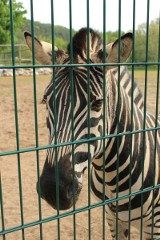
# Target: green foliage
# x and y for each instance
(5, 18)
(62, 34)
(112, 36)
(61, 37)
(61, 43)
(44, 32)
(141, 42)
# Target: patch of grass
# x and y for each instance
(141, 73)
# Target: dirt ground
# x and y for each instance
(25, 166)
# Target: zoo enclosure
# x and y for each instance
(4, 232)
(19, 50)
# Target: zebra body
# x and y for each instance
(126, 83)
(142, 156)
(130, 161)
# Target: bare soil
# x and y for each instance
(24, 166)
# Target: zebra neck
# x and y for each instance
(117, 108)
(117, 121)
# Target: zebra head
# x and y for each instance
(67, 102)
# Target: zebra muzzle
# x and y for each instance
(62, 192)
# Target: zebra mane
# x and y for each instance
(79, 43)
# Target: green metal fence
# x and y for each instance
(26, 216)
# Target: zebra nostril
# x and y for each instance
(73, 190)
(69, 193)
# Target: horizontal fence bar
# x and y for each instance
(83, 64)
(78, 141)
(79, 210)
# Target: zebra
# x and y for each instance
(117, 105)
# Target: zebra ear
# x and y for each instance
(111, 95)
(125, 49)
(43, 50)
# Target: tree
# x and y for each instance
(112, 36)
(154, 39)
(5, 18)
(141, 42)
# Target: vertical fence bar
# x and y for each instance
(16, 118)
(72, 116)
(156, 124)
(144, 113)
(2, 211)
(56, 154)
(88, 117)
(118, 119)
(55, 123)
(104, 114)
(132, 121)
(36, 115)
(55, 117)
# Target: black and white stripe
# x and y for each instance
(138, 167)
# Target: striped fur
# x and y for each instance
(145, 151)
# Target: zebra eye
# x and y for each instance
(97, 104)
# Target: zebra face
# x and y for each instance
(74, 101)
(67, 119)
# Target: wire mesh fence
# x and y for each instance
(21, 55)
(24, 141)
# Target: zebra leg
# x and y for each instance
(151, 234)
(121, 230)
(151, 226)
